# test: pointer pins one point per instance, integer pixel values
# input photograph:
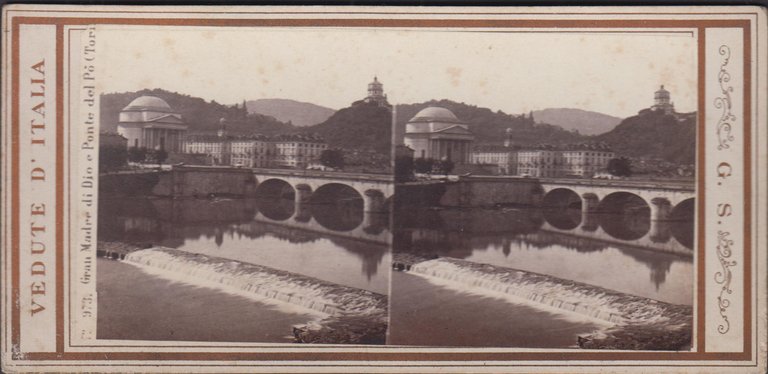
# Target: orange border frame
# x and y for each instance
(60, 353)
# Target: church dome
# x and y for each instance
(434, 114)
(152, 103)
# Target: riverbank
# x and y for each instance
(637, 322)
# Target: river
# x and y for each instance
(338, 244)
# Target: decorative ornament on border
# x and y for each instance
(725, 136)
(725, 123)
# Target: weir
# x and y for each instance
(311, 293)
(569, 296)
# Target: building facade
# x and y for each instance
(297, 151)
(438, 134)
(149, 122)
(253, 151)
(573, 160)
(217, 149)
(585, 160)
(503, 157)
(539, 163)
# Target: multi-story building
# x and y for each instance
(585, 160)
(297, 151)
(574, 160)
(505, 158)
(540, 162)
(253, 151)
(217, 149)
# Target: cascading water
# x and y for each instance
(296, 289)
(569, 296)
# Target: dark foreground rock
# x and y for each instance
(343, 330)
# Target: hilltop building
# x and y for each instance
(438, 134)
(376, 93)
(662, 101)
(149, 122)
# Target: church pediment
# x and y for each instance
(166, 118)
(454, 130)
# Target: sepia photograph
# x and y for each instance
(246, 194)
(383, 189)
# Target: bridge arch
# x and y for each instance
(337, 206)
(682, 221)
(275, 187)
(624, 215)
(562, 197)
(277, 209)
(562, 208)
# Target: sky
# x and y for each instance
(611, 73)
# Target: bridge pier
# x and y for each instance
(302, 212)
(302, 194)
(373, 201)
(374, 222)
(660, 231)
(589, 203)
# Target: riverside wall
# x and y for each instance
(198, 183)
(490, 191)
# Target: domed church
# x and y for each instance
(438, 134)
(149, 122)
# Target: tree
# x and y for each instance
(620, 167)
(444, 167)
(423, 165)
(403, 168)
(112, 157)
(332, 158)
(136, 154)
(161, 155)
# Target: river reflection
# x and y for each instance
(344, 246)
(548, 242)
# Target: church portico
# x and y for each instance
(436, 133)
(149, 122)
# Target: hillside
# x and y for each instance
(655, 135)
(198, 114)
(298, 113)
(360, 126)
(490, 127)
(583, 121)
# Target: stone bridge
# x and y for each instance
(661, 198)
(186, 181)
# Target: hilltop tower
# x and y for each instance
(661, 101)
(376, 93)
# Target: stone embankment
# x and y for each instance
(637, 322)
(350, 315)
